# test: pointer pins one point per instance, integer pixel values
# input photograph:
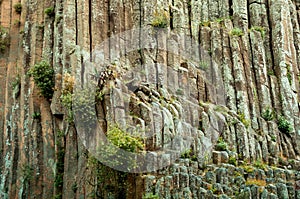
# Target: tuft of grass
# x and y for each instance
(260, 29)
(236, 32)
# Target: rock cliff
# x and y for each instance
(230, 84)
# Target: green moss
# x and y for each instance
(236, 32)
(18, 8)
(43, 76)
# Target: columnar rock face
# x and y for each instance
(239, 105)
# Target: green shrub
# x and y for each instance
(124, 140)
(283, 125)
(268, 115)
(236, 32)
(221, 145)
(18, 8)
(43, 76)
(160, 20)
(50, 12)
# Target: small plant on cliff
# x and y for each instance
(124, 140)
(205, 23)
(221, 145)
(160, 19)
(50, 12)
(260, 29)
(268, 114)
(150, 196)
(232, 160)
(18, 8)
(243, 119)
(36, 115)
(259, 164)
(43, 76)
(283, 125)
(67, 94)
(236, 32)
(256, 182)
(4, 39)
(189, 154)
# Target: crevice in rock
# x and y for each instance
(189, 6)
(76, 22)
(171, 16)
(90, 29)
(271, 50)
(230, 8)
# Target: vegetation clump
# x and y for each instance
(18, 8)
(268, 115)
(67, 94)
(43, 76)
(256, 182)
(4, 39)
(124, 140)
(221, 145)
(50, 12)
(283, 125)
(160, 20)
(150, 196)
(189, 154)
(260, 29)
(236, 32)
